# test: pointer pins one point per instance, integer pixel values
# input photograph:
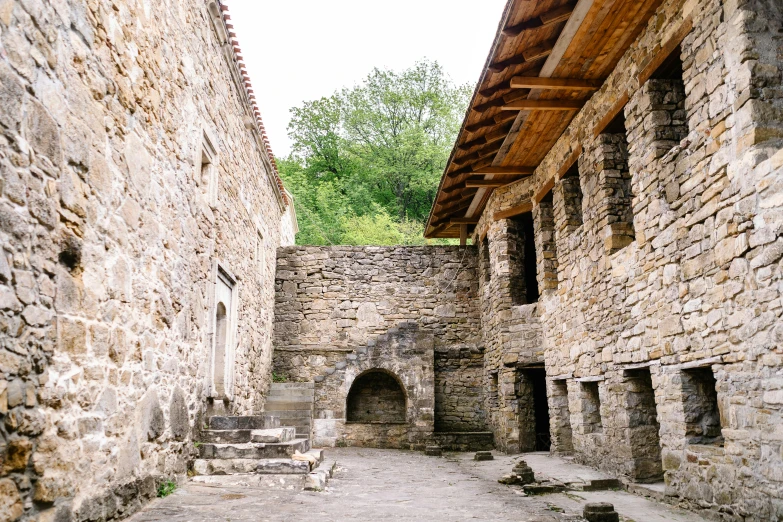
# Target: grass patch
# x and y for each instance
(279, 377)
(166, 489)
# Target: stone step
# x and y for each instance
(240, 436)
(287, 415)
(250, 450)
(273, 405)
(292, 392)
(271, 481)
(254, 422)
(258, 466)
(289, 385)
(273, 436)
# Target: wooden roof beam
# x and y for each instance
(505, 171)
(526, 82)
(513, 211)
(487, 183)
(545, 105)
(464, 221)
(559, 14)
(456, 197)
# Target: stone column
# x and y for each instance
(546, 247)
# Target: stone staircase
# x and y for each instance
(292, 404)
(246, 446)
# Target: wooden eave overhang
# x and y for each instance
(547, 60)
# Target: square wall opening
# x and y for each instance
(643, 427)
(700, 404)
(591, 408)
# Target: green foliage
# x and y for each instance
(278, 377)
(366, 161)
(166, 488)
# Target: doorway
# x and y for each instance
(534, 426)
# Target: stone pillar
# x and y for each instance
(546, 248)
(612, 216)
(516, 261)
(559, 417)
(656, 121)
(567, 204)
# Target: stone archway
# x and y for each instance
(376, 396)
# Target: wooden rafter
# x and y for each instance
(544, 105)
(528, 55)
(489, 150)
(490, 137)
(456, 197)
(498, 119)
(558, 14)
(526, 82)
(499, 101)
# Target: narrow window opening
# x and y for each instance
(493, 389)
(522, 260)
(700, 403)
(572, 195)
(615, 178)
(485, 266)
(591, 408)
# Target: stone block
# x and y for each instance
(433, 451)
(600, 512)
(483, 455)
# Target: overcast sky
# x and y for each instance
(299, 50)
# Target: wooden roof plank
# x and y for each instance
(545, 105)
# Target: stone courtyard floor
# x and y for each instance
(372, 484)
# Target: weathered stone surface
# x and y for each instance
(11, 506)
(179, 420)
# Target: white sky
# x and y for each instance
(300, 50)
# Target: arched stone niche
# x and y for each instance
(376, 397)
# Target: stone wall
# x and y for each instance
(341, 311)
(130, 167)
(693, 284)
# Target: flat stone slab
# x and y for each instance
(251, 450)
(254, 422)
(261, 466)
(274, 435)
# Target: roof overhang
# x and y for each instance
(547, 60)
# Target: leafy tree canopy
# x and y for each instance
(366, 161)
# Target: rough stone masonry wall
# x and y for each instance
(333, 301)
(510, 330)
(109, 243)
(699, 284)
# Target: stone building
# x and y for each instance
(619, 173)
(140, 212)
(620, 170)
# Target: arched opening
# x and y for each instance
(376, 397)
(219, 368)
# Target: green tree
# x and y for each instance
(367, 160)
